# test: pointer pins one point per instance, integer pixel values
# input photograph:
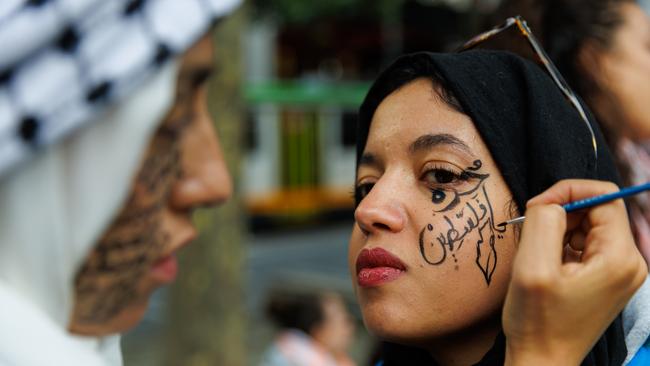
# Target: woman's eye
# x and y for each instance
(441, 176)
(362, 191)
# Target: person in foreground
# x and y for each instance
(106, 148)
(450, 146)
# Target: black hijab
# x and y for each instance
(534, 135)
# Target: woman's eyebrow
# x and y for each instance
(429, 141)
(368, 159)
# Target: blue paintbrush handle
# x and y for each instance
(592, 201)
(595, 201)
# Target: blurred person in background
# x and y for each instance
(316, 329)
(602, 48)
(448, 147)
(106, 147)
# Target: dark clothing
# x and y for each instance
(609, 350)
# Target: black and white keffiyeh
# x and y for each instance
(63, 61)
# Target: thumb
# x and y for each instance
(540, 246)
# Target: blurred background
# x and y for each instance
(290, 77)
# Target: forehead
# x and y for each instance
(414, 110)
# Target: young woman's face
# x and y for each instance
(183, 169)
(426, 253)
(625, 71)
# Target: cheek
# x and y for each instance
(465, 230)
(354, 247)
(459, 265)
(434, 303)
(634, 100)
(436, 300)
(627, 81)
(112, 280)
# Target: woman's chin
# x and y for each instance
(121, 322)
(396, 319)
(399, 333)
(397, 324)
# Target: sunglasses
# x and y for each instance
(540, 57)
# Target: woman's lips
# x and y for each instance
(165, 269)
(377, 266)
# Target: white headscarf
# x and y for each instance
(65, 64)
(52, 210)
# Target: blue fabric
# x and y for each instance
(380, 363)
(643, 356)
(645, 4)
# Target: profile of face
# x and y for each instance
(336, 330)
(182, 169)
(624, 71)
(426, 254)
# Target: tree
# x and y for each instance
(207, 320)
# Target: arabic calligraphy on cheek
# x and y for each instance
(464, 212)
(108, 281)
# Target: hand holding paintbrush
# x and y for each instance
(592, 201)
(555, 310)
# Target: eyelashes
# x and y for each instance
(436, 177)
(360, 191)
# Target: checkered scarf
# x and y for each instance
(63, 61)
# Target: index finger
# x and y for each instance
(541, 241)
(571, 190)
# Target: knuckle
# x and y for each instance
(550, 215)
(609, 187)
(631, 272)
(641, 272)
(535, 282)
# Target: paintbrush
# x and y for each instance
(592, 201)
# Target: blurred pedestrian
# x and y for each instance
(315, 329)
(602, 49)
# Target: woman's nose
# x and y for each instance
(380, 211)
(204, 180)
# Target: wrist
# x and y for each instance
(533, 357)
